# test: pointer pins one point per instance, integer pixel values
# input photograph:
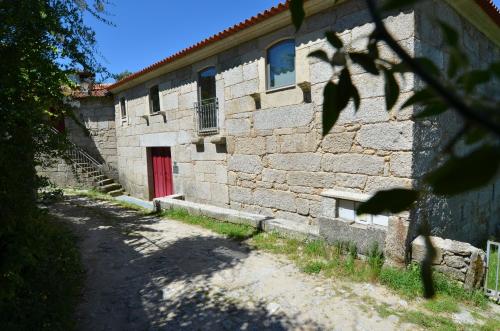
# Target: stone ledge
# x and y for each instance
(346, 195)
(285, 227)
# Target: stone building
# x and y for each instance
(235, 121)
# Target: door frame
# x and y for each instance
(149, 158)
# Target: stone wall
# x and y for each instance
(96, 114)
(460, 261)
(471, 217)
(275, 162)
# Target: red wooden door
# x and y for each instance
(162, 171)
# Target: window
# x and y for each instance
(123, 108)
(281, 64)
(346, 210)
(207, 107)
(206, 85)
(154, 100)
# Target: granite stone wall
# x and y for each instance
(471, 217)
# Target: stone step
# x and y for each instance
(116, 193)
(110, 187)
(104, 181)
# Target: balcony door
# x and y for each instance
(207, 107)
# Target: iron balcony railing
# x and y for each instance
(207, 116)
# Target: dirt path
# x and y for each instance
(146, 273)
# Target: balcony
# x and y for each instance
(207, 118)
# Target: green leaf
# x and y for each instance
(474, 135)
(391, 89)
(330, 110)
(469, 172)
(495, 69)
(333, 39)
(392, 201)
(365, 61)
(449, 33)
(456, 60)
(319, 54)
(473, 78)
(298, 13)
(419, 97)
(432, 109)
(396, 4)
(428, 66)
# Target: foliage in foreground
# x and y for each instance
(41, 277)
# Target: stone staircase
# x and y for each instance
(92, 175)
(91, 172)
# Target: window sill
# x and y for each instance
(281, 88)
(156, 113)
(364, 226)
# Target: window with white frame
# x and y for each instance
(154, 100)
(123, 108)
(280, 65)
(346, 210)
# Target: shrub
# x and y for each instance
(40, 277)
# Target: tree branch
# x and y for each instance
(453, 100)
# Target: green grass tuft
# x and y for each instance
(442, 304)
(230, 230)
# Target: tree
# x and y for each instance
(457, 92)
(121, 75)
(42, 42)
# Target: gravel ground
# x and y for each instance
(147, 273)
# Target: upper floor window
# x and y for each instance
(206, 85)
(281, 64)
(154, 99)
(123, 108)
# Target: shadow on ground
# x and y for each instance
(158, 280)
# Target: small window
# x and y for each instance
(123, 108)
(206, 85)
(346, 210)
(281, 64)
(154, 99)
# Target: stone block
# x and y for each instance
(396, 241)
(334, 230)
(401, 164)
(220, 193)
(283, 117)
(170, 101)
(377, 183)
(392, 136)
(295, 161)
(310, 179)
(233, 76)
(275, 199)
(451, 272)
(245, 163)
(238, 126)
(256, 146)
(273, 176)
(221, 174)
(244, 88)
(299, 143)
(338, 142)
(250, 70)
(350, 181)
(353, 163)
(240, 194)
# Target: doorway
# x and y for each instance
(161, 162)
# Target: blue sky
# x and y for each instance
(150, 30)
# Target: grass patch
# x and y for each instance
(429, 322)
(230, 230)
(41, 275)
(442, 304)
(492, 267)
